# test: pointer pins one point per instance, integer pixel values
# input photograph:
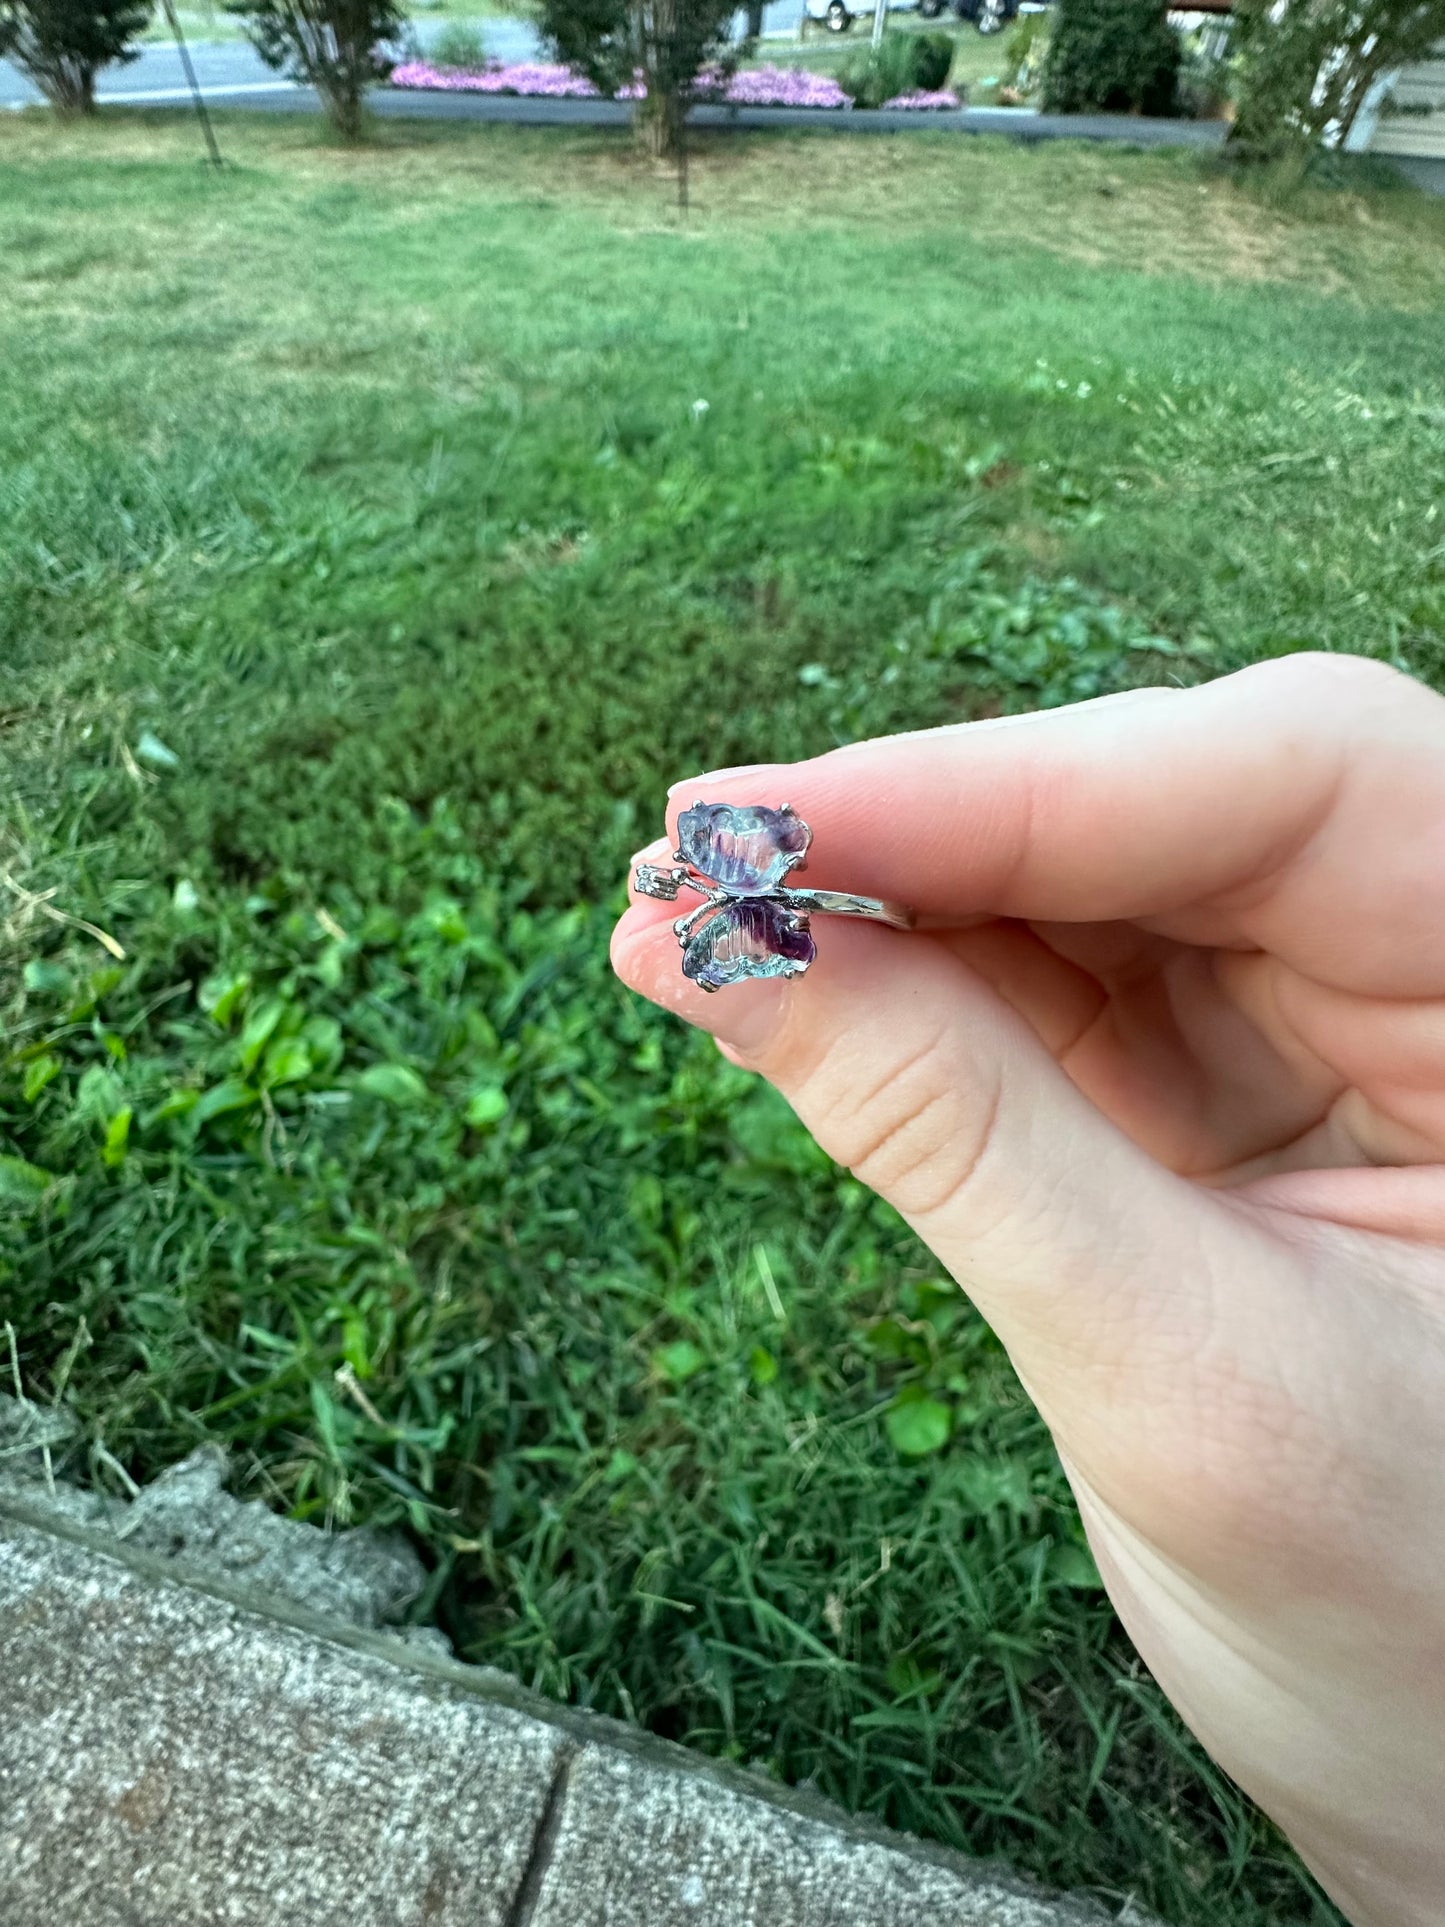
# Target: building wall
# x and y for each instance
(1422, 86)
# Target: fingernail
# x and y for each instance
(718, 776)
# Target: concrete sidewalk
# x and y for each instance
(183, 1746)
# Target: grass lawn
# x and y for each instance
(368, 571)
(199, 23)
(208, 20)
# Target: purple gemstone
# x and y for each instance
(743, 847)
(748, 939)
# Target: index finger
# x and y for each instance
(1297, 806)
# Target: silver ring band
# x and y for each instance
(650, 881)
(842, 903)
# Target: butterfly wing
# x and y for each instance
(745, 849)
(748, 938)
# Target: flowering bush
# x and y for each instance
(783, 87)
(753, 87)
(530, 77)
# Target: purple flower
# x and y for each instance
(784, 87)
(751, 87)
(922, 101)
(533, 78)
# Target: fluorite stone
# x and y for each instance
(745, 848)
(749, 938)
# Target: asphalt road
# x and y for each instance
(231, 69)
(1017, 122)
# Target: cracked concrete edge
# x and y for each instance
(187, 1514)
(621, 1771)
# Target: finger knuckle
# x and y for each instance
(916, 1138)
(1342, 680)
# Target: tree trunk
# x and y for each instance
(344, 108)
(755, 18)
(658, 122)
(69, 86)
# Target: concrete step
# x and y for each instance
(184, 1745)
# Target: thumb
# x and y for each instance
(909, 1069)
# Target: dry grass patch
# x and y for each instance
(1171, 213)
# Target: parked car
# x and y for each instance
(987, 15)
(837, 16)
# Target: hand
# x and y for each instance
(1162, 1083)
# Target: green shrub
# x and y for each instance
(879, 74)
(459, 46)
(1111, 56)
(1023, 53)
(897, 65)
(1205, 73)
(932, 61)
(61, 44)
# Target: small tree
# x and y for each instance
(1305, 67)
(1111, 56)
(662, 44)
(339, 47)
(62, 44)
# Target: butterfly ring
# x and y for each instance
(750, 924)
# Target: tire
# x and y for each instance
(837, 19)
(992, 16)
(929, 9)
